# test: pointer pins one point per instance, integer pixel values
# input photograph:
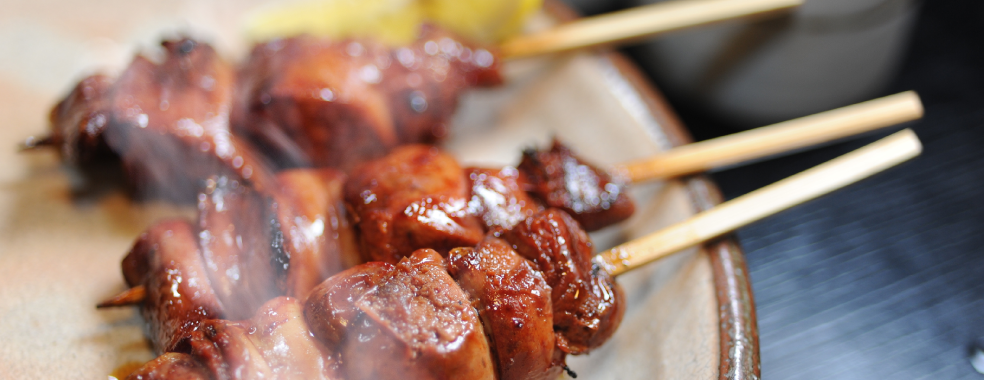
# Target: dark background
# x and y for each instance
(884, 279)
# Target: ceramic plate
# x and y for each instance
(688, 317)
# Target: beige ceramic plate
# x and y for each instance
(689, 317)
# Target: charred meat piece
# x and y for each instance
(587, 303)
(167, 123)
(312, 237)
(275, 344)
(415, 197)
(513, 301)
(415, 323)
(235, 238)
(167, 262)
(316, 101)
(592, 196)
(498, 197)
(171, 366)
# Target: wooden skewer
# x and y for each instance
(638, 23)
(751, 207)
(782, 137)
(132, 296)
(36, 142)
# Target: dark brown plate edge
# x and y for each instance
(739, 346)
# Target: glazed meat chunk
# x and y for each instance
(171, 366)
(167, 262)
(588, 305)
(561, 180)
(312, 237)
(167, 123)
(275, 344)
(414, 323)
(513, 301)
(331, 307)
(322, 102)
(499, 198)
(415, 197)
(235, 237)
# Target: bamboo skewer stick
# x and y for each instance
(638, 23)
(777, 138)
(728, 216)
(132, 296)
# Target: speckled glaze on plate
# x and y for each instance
(690, 316)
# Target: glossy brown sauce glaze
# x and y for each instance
(318, 102)
(407, 321)
(415, 197)
(561, 180)
(170, 366)
(167, 262)
(167, 124)
(234, 237)
(499, 197)
(513, 301)
(588, 305)
(312, 236)
(275, 344)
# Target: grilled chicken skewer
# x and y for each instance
(424, 317)
(370, 296)
(304, 101)
(166, 124)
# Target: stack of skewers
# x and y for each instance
(347, 250)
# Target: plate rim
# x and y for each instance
(738, 326)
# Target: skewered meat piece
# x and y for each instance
(275, 344)
(167, 123)
(592, 196)
(415, 197)
(171, 366)
(247, 249)
(331, 306)
(414, 320)
(418, 197)
(234, 223)
(314, 101)
(499, 198)
(312, 235)
(258, 246)
(166, 261)
(411, 321)
(588, 305)
(513, 300)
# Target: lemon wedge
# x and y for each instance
(392, 21)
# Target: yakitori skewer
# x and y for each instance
(734, 214)
(557, 172)
(372, 99)
(368, 301)
(638, 23)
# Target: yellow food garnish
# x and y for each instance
(392, 21)
(485, 21)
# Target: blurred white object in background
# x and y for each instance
(826, 54)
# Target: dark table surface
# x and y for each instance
(884, 279)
